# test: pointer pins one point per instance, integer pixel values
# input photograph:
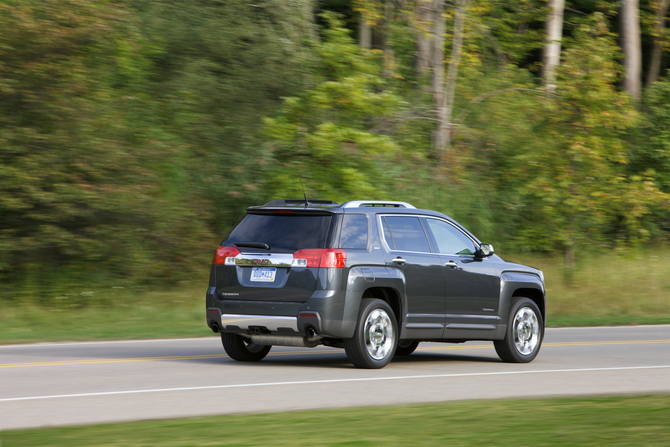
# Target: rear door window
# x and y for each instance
(283, 233)
(354, 234)
(406, 234)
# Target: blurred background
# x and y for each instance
(134, 133)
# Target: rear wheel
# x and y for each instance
(375, 337)
(406, 347)
(524, 334)
(243, 350)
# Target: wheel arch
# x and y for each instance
(388, 294)
(534, 295)
(514, 284)
(373, 282)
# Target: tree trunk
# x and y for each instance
(552, 47)
(657, 52)
(632, 50)
(364, 31)
(388, 50)
(452, 72)
(425, 20)
(438, 77)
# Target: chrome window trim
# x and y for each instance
(383, 239)
(476, 244)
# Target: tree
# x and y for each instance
(576, 178)
(325, 136)
(447, 108)
(631, 46)
(219, 67)
(656, 52)
(85, 172)
(552, 47)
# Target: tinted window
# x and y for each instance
(354, 232)
(284, 234)
(406, 234)
(451, 240)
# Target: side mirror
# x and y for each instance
(485, 250)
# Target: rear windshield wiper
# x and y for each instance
(252, 245)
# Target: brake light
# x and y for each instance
(322, 257)
(222, 252)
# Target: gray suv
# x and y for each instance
(372, 277)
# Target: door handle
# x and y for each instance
(451, 264)
(399, 260)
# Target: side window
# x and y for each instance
(354, 232)
(406, 233)
(450, 240)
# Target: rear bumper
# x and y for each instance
(247, 322)
(323, 312)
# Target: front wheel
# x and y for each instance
(524, 334)
(238, 348)
(375, 336)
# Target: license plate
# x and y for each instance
(263, 274)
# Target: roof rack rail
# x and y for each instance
(301, 202)
(375, 203)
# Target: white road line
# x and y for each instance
(637, 326)
(57, 344)
(318, 382)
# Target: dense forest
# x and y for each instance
(134, 133)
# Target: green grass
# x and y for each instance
(620, 288)
(610, 421)
(615, 289)
(108, 314)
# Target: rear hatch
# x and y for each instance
(275, 255)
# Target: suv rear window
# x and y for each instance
(283, 233)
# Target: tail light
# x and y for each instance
(223, 253)
(322, 257)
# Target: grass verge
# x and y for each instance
(617, 288)
(107, 313)
(606, 289)
(611, 421)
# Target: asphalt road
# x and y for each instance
(84, 383)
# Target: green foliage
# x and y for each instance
(133, 134)
(651, 144)
(218, 68)
(81, 184)
(576, 176)
(511, 30)
(325, 137)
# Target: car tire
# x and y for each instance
(238, 348)
(375, 337)
(524, 333)
(406, 347)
